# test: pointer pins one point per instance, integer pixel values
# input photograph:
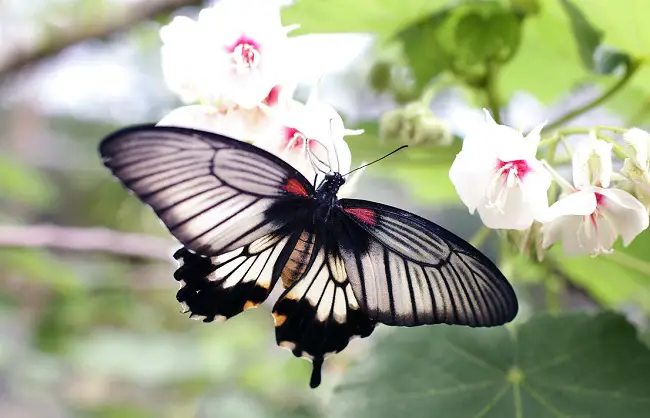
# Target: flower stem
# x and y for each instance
(630, 70)
(480, 236)
(492, 92)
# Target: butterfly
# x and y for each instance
(248, 220)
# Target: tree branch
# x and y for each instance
(87, 239)
(121, 18)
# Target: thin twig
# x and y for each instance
(121, 18)
(87, 240)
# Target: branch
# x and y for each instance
(87, 239)
(121, 18)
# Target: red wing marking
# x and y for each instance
(367, 216)
(293, 186)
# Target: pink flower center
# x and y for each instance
(245, 54)
(508, 175)
(513, 170)
(295, 140)
(600, 201)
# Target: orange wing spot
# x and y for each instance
(250, 304)
(279, 319)
(367, 216)
(293, 186)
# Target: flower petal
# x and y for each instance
(514, 214)
(592, 163)
(471, 177)
(533, 137)
(638, 142)
(626, 213)
(580, 203)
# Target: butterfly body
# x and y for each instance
(248, 220)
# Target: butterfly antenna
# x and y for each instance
(377, 160)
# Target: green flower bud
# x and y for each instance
(391, 124)
(433, 131)
(380, 76)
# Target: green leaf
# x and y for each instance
(624, 24)
(421, 44)
(463, 39)
(615, 279)
(607, 60)
(566, 366)
(525, 7)
(587, 36)
(383, 17)
(546, 42)
(487, 33)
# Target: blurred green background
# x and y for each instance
(89, 325)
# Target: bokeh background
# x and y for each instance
(89, 325)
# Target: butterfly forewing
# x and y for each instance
(211, 192)
(405, 270)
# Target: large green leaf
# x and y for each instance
(384, 17)
(587, 37)
(623, 23)
(547, 64)
(624, 28)
(616, 279)
(568, 366)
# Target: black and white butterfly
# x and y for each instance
(248, 220)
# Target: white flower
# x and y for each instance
(242, 124)
(234, 54)
(310, 138)
(592, 163)
(497, 174)
(589, 218)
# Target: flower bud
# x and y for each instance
(380, 76)
(390, 123)
(433, 131)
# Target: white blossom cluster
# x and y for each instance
(233, 67)
(498, 174)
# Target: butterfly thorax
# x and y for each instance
(327, 191)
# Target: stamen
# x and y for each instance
(245, 54)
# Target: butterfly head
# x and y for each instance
(331, 185)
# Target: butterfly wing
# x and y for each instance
(220, 287)
(319, 314)
(212, 192)
(406, 270)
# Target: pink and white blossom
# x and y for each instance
(590, 217)
(234, 54)
(496, 173)
(311, 136)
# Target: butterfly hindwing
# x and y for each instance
(220, 287)
(406, 270)
(212, 192)
(319, 314)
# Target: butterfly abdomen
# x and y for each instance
(298, 260)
